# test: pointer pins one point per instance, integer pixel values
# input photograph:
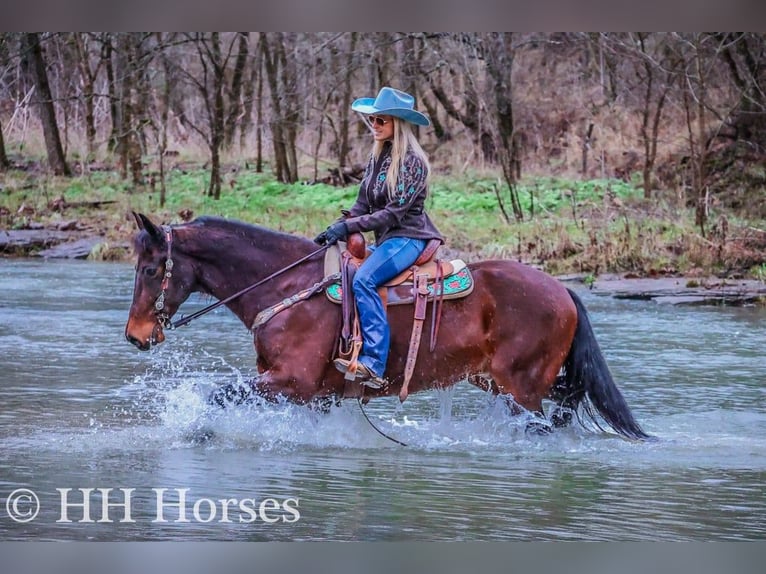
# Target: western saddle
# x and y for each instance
(422, 282)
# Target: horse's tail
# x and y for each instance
(586, 373)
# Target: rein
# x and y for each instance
(159, 304)
(380, 432)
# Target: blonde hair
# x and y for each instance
(404, 141)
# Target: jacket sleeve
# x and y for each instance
(410, 194)
(361, 205)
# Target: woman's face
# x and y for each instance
(382, 127)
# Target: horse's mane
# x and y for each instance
(232, 232)
(225, 225)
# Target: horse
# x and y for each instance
(520, 334)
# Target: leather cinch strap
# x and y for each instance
(421, 300)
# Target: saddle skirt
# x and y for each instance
(457, 280)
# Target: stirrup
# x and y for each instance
(363, 375)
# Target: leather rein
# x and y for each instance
(159, 304)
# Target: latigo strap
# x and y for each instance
(421, 300)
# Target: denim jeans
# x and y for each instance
(386, 262)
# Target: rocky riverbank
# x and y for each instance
(67, 240)
(680, 290)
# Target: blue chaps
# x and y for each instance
(387, 261)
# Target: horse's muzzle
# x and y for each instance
(142, 339)
(141, 345)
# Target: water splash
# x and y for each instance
(177, 385)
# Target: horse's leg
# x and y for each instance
(562, 415)
(526, 380)
(235, 394)
(324, 404)
(538, 426)
(484, 382)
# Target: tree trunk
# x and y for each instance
(160, 120)
(44, 98)
(278, 132)
(345, 107)
(114, 109)
(499, 60)
(235, 103)
(291, 109)
(259, 112)
(587, 143)
(127, 110)
(88, 78)
(4, 163)
(216, 117)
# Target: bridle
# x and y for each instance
(159, 303)
(163, 318)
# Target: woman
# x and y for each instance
(391, 203)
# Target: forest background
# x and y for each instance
(576, 152)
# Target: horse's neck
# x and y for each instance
(224, 276)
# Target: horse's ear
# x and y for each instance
(139, 223)
(146, 224)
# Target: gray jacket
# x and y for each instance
(405, 216)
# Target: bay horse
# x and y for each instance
(520, 333)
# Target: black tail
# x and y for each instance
(586, 373)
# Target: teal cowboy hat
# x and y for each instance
(391, 102)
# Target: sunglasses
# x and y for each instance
(377, 121)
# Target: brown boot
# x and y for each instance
(363, 375)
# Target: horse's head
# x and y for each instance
(162, 283)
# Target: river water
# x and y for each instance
(102, 442)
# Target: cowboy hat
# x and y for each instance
(391, 102)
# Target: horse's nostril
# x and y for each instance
(133, 341)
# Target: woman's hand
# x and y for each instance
(333, 234)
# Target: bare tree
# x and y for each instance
(210, 82)
(89, 53)
(457, 84)
(5, 66)
(696, 51)
(160, 111)
(345, 104)
(236, 105)
(498, 55)
(258, 71)
(652, 73)
(44, 99)
(282, 78)
(744, 54)
(487, 61)
(130, 61)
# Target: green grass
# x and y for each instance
(568, 226)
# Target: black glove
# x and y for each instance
(332, 234)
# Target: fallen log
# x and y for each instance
(60, 204)
(684, 291)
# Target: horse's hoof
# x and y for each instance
(200, 437)
(538, 428)
(230, 395)
(561, 417)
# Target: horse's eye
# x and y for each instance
(150, 271)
